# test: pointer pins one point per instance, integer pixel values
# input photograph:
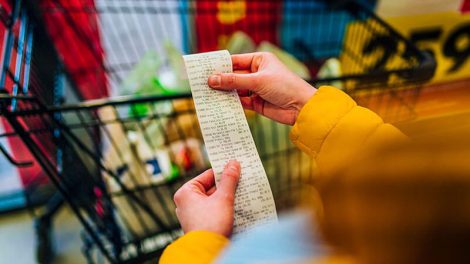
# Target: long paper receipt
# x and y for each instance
(227, 137)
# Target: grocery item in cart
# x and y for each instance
(172, 76)
(143, 158)
(153, 77)
(143, 165)
(141, 79)
(143, 168)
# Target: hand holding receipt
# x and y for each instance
(227, 137)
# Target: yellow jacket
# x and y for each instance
(332, 129)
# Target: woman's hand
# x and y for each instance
(200, 206)
(266, 86)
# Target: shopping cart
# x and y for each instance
(117, 162)
(40, 196)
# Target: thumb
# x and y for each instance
(233, 81)
(229, 178)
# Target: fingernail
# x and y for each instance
(232, 165)
(214, 81)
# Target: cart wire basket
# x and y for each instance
(117, 162)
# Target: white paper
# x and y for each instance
(227, 137)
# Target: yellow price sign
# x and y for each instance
(445, 35)
(372, 51)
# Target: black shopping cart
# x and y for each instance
(117, 162)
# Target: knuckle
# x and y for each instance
(231, 173)
(228, 174)
(231, 80)
(229, 198)
(256, 80)
(178, 197)
(267, 54)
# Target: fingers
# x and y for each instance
(231, 81)
(244, 77)
(203, 182)
(284, 116)
(252, 103)
(242, 71)
(205, 179)
(242, 61)
(248, 61)
(199, 185)
(246, 102)
(229, 179)
(211, 191)
(257, 104)
(244, 92)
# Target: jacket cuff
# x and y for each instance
(195, 247)
(318, 117)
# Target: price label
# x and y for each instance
(446, 36)
(371, 50)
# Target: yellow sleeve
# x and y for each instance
(332, 128)
(194, 247)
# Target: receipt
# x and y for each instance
(227, 137)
